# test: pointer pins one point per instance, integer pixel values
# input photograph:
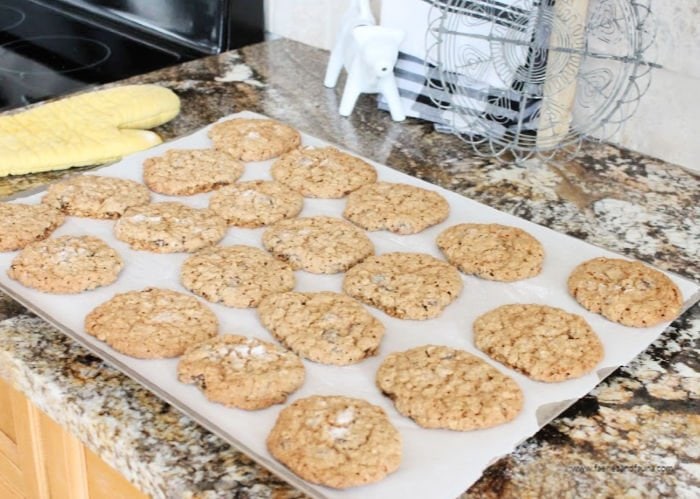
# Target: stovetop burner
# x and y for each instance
(52, 54)
(10, 17)
(47, 52)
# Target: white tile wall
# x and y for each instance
(667, 123)
(314, 22)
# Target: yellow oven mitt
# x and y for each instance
(88, 129)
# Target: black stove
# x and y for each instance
(54, 48)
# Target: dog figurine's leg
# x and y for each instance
(354, 86)
(390, 91)
(335, 63)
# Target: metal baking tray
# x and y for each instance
(436, 463)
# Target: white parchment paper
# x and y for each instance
(436, 463)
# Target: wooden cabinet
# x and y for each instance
(40, 460)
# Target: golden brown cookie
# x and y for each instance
(626, 292)
(256, 203)
(254, 139)
(66, 264)
(338, 442)
(94, 196)
(441, 387)
(182, 172)
(241, 372)
(404, 285)
(323, 172)
(237, 276)
(321, 245)
(152, 324)
(21, 224)
(399, 208)
(169, 228)
(326, 327)
(544, 343)
(492, 251)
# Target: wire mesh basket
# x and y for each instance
(519, 78)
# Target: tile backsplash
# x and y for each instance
(667, 121)
(314, 22)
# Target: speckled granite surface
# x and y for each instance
(634, 435)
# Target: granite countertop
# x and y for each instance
(634, 435)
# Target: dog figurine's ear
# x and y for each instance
(379, 48)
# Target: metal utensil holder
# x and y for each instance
(537, 77)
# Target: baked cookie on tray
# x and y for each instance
(492, 251)
(256, 203)
(326, 327)
(254, 139)
(242, 372)
(237, 276)
(442, 387)
(323, 172)
(336, 441)
(169, 227)
(152, 323)
(93, 196)
(404, 285)
(21, 224)
(320, 245)
(66, 264)
(626, 292)
(544, 343)
(182, 172)
(399, 208)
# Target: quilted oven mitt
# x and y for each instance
(87, 129)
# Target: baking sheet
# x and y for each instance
(436, 463)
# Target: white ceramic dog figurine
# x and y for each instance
(368, 53)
